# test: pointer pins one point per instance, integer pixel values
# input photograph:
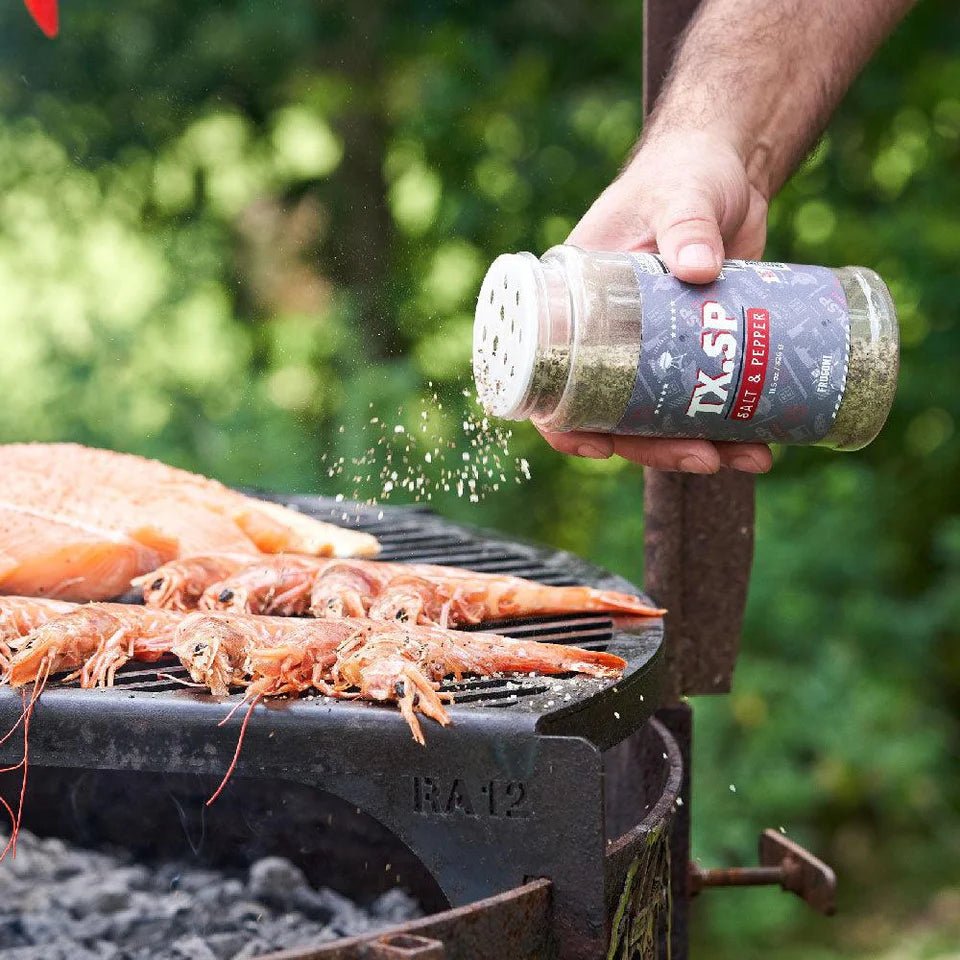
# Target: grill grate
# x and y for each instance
(419, 535)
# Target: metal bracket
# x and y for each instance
(406, 946)
(782, 862)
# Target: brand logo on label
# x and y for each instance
(717, 339)
(821, 375)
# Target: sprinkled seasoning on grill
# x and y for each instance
(612, 342)
(418, 461)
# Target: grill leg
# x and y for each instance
(678, 719)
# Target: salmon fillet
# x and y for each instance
(78, 523)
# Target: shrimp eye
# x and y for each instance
(332, 603)
(197, 649)
(400, 689)
(225, 596)
(402, 615)
(157, 584)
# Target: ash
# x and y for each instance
(61, 902)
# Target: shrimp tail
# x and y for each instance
(507, 655)
(615, 602)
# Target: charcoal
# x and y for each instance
(192, 948)
(63, 903)
(225, 946)
(272, 879)
(346, 916)
(395, 906)
(54, 952)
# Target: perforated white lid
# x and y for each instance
(505, 333)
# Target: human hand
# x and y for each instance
(688, 196)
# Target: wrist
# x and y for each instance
(720, 140)
(693, 124)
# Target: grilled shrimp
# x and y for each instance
(179, 584)
(94, 640)
(22, 615)
(214, 647)
(406, 664)
(272, 585)
(408, 592)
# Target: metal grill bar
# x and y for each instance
(420, 536)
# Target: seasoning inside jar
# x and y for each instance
(613, 343)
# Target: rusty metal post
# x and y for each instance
(699, 550)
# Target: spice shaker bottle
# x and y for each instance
(613, 343)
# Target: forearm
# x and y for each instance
(767, 74)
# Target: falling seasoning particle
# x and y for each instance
(733, 788)
(616, 715)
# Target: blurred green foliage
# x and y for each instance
(227, 230)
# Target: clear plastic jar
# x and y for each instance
(612, 343)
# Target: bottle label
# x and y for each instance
(760, 354)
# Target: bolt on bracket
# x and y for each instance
(782, 862)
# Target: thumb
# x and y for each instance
(611, 223)
(688, 237)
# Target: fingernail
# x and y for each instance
(746, 464)
(693, 464)
(697, 256)
(593, 451)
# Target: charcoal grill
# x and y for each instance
(510, 793)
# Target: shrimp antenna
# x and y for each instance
(38, 687)
(232, 710)
(13, 729)
(236, 753)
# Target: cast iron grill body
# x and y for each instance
(513, 790)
